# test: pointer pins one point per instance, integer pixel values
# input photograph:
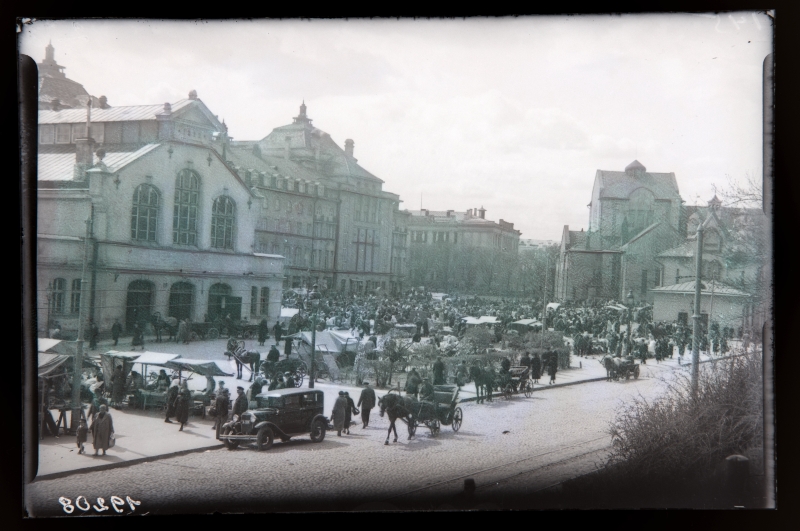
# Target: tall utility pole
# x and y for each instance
(78, 365)
(696, 317)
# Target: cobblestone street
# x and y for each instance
(517, 446)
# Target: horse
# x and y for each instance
(242, 357)
(612, 366)
(484, 382)
(398, 407)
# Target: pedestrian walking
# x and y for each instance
(287, 347)
(116, 330)
(222, 405)
(182, 403)
(349, 411)
(138, 337)
(462, 374)
(93, 334)
(438, 372)
(82, 434)
(337, 415)
(117, 387)
(412, 383)
(263, 331)
(536, 368)
(552, 368)
(278, 331)
(180, 337)
(102, 430)
(366, 402)
(172, 395)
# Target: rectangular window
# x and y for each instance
(78, 131)
(59, 289)
(264, 301)
(63, 133)
(254, 301)
(98, 133)
(47, 134)
(644, 282)
(75, 296)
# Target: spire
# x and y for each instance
(302, 117)
(49, 52)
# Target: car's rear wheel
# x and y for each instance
(230, 445)
(265, 438)
(318, 431)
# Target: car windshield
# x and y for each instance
(270, 401)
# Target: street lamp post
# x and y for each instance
(314, 298)
(696, 316)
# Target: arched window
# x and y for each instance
(712, 240)
(693, 223)
(59, 294)
(181, 300)
(264, 301)
(139, 303)
(713, 270)
(221, 303)
(223, 217)
(144, 214)
(253, 300)
(184, 218)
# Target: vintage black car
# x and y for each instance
(281, 414)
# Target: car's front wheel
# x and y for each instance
(318, 430)
(265, 438)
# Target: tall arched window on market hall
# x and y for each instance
(144, 213)
(184, 217)
(223, 222)
(59, 294)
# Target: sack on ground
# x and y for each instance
(111, 441)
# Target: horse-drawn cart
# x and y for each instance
(617, 368)
(443, 410)
(518, 380)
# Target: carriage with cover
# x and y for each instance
(617, 368)
(443, 410)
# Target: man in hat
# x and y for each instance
(116, 330)
(287, 346)
(278, 331)
(338, 413)
(273, 355)
(426, 390)
(438, 371)
(366, 402)
(240, 405)
(222, 404)
(172, 395)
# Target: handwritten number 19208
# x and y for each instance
(83, 504)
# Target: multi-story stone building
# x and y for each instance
(325, 213)
(461, 250)
(171, 227)
(634, 216)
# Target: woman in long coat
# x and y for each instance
(263, 331)
(536, 368)
(101, 429)
(182, 405)
(552, 368)
(338, 413)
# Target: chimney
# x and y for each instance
(55, 105)
(192, 94)
(103, 102)
(482, 212)
(84, 147)
(449, 213)
(348, 147)
(165, 125)
(286, 147)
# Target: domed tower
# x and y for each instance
(48, 67)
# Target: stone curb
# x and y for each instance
(120, 464)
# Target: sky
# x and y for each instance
(515, 115)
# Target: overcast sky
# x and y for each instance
(515, 115)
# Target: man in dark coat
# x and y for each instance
(366, 402)
(138, 337)
(93, 333)
(182, 405)
(552, 367)
(263, 331)
(438, 372)
(287, 348)
(426, 391)
(116, 330)
(273, 355)
(172, 395)
(240, 406)
(349, 411)
(412, 383)
(337, 415)
(222, 405)
(117, 387)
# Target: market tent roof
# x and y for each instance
(483, 319)
(204, 367)
(289, 312)
(45, 343)
(155, 358)
(618, 307)
(527, 322)
(706, 288)
(553, 305)
(330, 340)
(50, 363)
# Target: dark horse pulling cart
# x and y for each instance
(415, 413)
(252, 358)
(617, 368)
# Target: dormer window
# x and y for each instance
(63, 132)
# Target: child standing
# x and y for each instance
(82, 432)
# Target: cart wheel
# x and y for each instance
(265, 438)
(458, 416)
(434, 427)
(247, 334)
(213, 333)
(230, 445)
(318, 431)
(193, 336)
(298, 380)
(508, 391)
(627, 375)
(636, 372)
(528, 389)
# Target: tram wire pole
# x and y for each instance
(696, 316)
(314, 296)
(77, 368)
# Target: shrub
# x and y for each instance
(680, 436)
